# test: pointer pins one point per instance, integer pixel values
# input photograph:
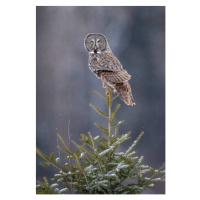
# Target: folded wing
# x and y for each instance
(116, 77)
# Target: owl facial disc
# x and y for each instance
(95, 43)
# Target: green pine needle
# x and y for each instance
(51, 157)
(44, 163)
(84, 149)
(42, 155)
(134, 143)
(99, 94)
(114, 97)
(114, 113)
(117, 123)
(102, 128)
(99, 111)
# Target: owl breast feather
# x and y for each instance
(105, 62)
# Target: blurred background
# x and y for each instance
(64, 83)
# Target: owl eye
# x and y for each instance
(92, 43)
(99, 42)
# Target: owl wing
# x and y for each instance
(109, 62)
(116, 77)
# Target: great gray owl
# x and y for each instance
(107, 67)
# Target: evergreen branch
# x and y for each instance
(46, 181)
(139, 161)
(41, 184)
(106, 151)
(122, 139)
(132, 153)
(109, 97)
(42, 155)
(99, 94)
(85, 150)
(114, 97)
(105, 190)
(63, 149)
(65, 143)
(102, 146)
(102, 128)
(88, 144)
(114, 112)
(78, 162)
(162, 172)
(155, 173)
(92, 141)
(104, 140)
(134, 143)
(99, 111)
(84, 138)
(134, 187)
(44, 163)
(86, 141)
(45, 157)
(43, 188)
(95, 151)
(51, 158)
(115, 132)
(103, 143)
(117, 123)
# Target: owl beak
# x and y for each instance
(95, 49)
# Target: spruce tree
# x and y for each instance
(96, 166)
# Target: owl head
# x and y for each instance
(95, 43)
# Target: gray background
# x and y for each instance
(64, 82)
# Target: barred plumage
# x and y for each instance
(107, 67)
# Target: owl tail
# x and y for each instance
(124, 91)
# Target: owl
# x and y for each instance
(107, 67)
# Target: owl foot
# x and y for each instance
(109, 90)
